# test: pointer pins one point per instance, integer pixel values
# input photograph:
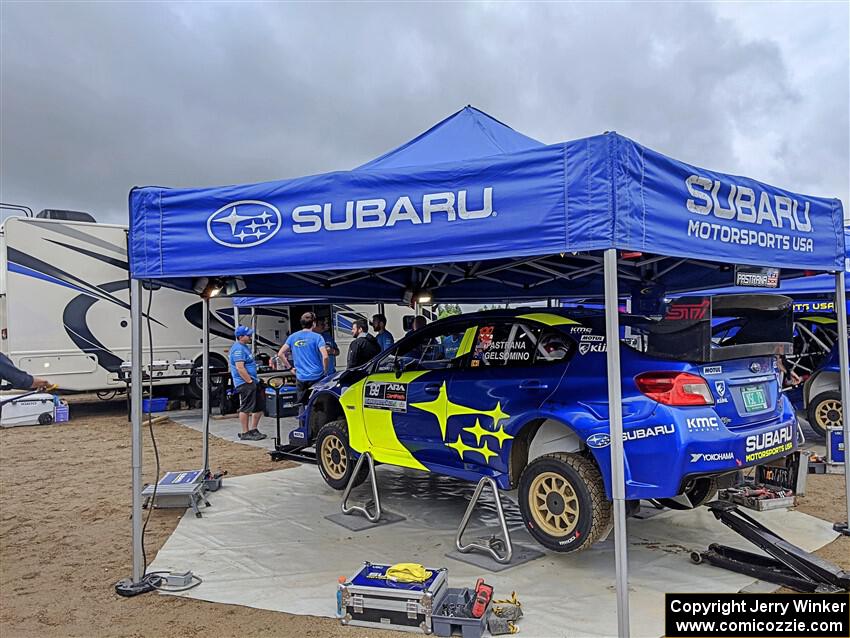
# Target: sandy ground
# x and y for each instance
(65, 535)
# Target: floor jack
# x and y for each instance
(290, 451)
(786, 564)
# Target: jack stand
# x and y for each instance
(376, 499)
(842, 528)
(490, 547)
(786, 564)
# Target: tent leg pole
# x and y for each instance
(205, 384)
(136, 384)
(615, 412)
(844, 381)
(254, 328)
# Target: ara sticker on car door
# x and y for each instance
(385, 396)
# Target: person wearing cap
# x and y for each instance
(309, 357)
(243, 370)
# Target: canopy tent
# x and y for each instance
(518, 224)
(375, 234)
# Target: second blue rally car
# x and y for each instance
(521, 396)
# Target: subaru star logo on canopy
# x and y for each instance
(244, 224)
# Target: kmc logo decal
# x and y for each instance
(244, 223)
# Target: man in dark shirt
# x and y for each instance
(19, 379)
(364, 347)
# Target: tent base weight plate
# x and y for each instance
(521, 555)
(359, 523)
(128, 588)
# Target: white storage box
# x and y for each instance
(32, 409)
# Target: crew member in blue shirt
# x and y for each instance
(243, 371)
(384, 336)
(333, 351)
(309, 357)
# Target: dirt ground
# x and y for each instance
(65, 535)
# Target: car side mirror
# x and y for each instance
(400, 366)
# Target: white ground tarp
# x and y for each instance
(265, 543)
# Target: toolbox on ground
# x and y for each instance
(447, 625)
(369, 599)
(835, 448)
(281, 402)
(32, 408)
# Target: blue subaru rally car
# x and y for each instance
(822, 395)
(521, 396)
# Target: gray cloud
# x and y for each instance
(96, 98)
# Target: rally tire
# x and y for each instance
(335, 458)
(700, 491)
(193, 387)
(825, 411)
(563, 503)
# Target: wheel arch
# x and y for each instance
(539, 436)
(324, 407)
(820, 382)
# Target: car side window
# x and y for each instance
(505, 344)
(432, 350)
(554, 347)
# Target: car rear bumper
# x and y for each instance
(661, 457)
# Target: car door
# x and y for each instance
(512, 368)
(404, 399)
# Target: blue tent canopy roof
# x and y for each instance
(522, 224)
(464, 135)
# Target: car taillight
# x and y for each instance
(675, 388)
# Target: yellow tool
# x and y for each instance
(406, 573)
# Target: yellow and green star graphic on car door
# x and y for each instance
(444, 408)
(461, 448)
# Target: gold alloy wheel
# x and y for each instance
(828, 413)
(554, 504)
(334, 457)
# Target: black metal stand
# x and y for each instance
(288, 451)
(789, 566)
(842, 528)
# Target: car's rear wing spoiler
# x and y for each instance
(706, 329)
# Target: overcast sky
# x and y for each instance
(96, 98)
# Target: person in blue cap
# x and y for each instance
(243, 370)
